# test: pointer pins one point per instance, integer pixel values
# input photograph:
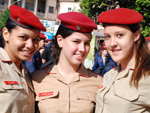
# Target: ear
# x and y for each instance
(60, 40)
(6, 34)
(136, 35)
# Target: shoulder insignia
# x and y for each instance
(30, 60)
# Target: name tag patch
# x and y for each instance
(11, 82)
(46, 94)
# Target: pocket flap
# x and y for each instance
(6, 86)
(46, 94)
(128, 94)
(86, 95)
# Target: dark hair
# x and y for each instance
(142, 59)
(64, 32)
(9, 25)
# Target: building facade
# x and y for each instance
(43, 9)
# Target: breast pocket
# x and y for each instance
(127, 94)
(86, 95)
(47, 94)
(4, 86)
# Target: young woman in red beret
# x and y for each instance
(67, 86)
(126, 88)
(20, 40)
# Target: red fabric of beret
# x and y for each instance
(120, 16)
(147, 38)
(25, 18)
(104, 47)
(103, 44)
(77, 21)
(42, 36)
(48, 40)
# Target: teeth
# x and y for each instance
(79, 55)
(27, 52)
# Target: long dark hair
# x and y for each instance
(9, 25)
(64, 32)
(142, 59)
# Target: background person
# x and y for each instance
(35, 61)
(148, 42)
(21, 40)
(67, 86)
(103, 62)
(126, 88)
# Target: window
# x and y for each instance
(51, 9)
(69, 9)
(32, 7)
(27, 5)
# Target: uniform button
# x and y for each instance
(24, 83)
(12, 86)
(67, 102)
(28, 101)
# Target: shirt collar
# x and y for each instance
(4, 56)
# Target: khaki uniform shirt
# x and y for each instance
(16, 91)
(116, 95)
(56, 96)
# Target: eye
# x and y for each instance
(36, 39)
(87, 43)
(23, 37)
(107, 37)
(119, 35)
(76, 42)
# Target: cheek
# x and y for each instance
(87, 49)
(36, 45)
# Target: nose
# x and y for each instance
(113, 41)
(30, 44)
(82, 47)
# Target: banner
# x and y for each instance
(50, 28)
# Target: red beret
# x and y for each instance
(25, 18)
(147, 38)
(120, 16)
(103, 44)
(104, 47)
(42, 36)
(77, 21)
(48, 40)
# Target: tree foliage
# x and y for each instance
(92, 8)
(4, 17)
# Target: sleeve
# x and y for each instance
(95, 66)
(1, 89)
(30, 64)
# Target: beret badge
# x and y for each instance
(78, 27)
(18, 19)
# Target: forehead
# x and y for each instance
(115, 28)
(21, 30)
(80, 36)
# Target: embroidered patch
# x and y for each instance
(101, 86)
(11, 82)
(46, 94)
